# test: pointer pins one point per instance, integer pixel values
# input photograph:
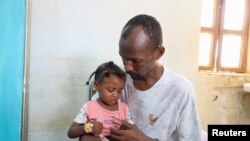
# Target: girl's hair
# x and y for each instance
(105, 70)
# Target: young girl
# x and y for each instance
(97, 116)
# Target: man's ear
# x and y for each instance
(159, 52)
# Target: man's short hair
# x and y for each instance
(150, 25)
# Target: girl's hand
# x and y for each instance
(97, 127)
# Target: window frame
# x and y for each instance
(217, 31)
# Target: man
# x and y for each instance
(161, 102)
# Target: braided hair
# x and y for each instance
(105, 70)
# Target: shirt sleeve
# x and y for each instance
(81, 117)
(189, 123)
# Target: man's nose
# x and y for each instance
(128, 66)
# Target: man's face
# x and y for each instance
(137, 54)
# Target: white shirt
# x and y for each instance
(167, 111)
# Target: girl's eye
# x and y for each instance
(120, 91)
(111, 89)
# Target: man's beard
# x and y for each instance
(136, 76)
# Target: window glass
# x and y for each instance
(234, 14)
(204, 52)
(231, 46)
(207, 13)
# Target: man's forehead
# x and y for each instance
(137, 39)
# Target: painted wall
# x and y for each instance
(12, 46)
(69, 39)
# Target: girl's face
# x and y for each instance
(110, 89)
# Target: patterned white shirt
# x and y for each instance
(167, 111)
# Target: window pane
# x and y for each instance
(230, 55)
(207, 13)
(204, 49)
(234, 14)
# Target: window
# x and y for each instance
(224, 35)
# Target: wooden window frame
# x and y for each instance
(217, 31)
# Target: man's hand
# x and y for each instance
(128, 132)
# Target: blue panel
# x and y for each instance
(12, 47)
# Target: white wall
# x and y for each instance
(70, 38)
